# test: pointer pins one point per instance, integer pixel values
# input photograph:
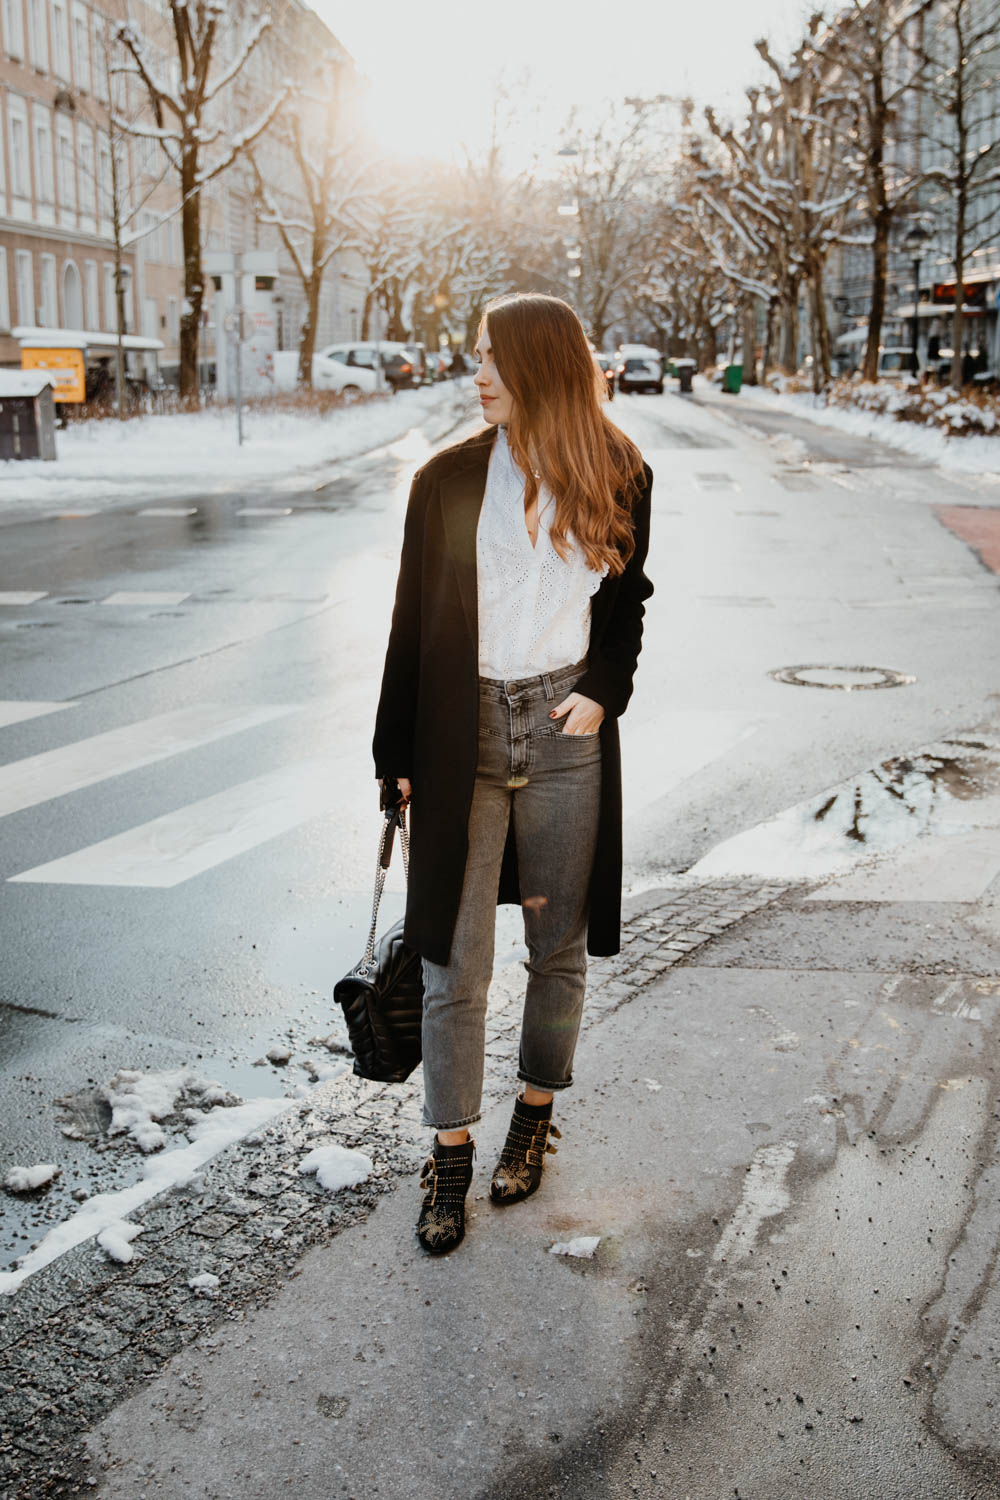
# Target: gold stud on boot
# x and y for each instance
(518, 1172)
(445, 1178)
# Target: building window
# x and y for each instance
(88, 170)
(4, 292)
(91, 295)
(105, 202)
(72, 296)
(173, 321)
(25, 288)
(60, 40)
(13, 28)
(66, 164)
(100, 59)
(48, 306)
(44, 186)
(81, 49)
(20, 168)
(38, 35)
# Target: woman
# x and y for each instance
(515, 634)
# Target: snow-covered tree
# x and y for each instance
(870, 79)
(612, 184)
(959, 127)
(188, 84)
(316, 209)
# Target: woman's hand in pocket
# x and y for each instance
(582, 715)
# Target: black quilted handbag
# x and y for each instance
(383, 996)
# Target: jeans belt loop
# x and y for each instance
(550, 691)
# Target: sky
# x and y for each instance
(433, 65)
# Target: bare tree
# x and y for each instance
(316, 212)
(959, 47)
(612, 178)
(872, 73)
(187, 105)
(814, 179)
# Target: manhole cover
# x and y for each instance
(844, 679)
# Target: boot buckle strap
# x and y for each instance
(533, 1157)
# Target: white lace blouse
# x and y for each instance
(534, 608)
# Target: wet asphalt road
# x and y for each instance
(214, 926)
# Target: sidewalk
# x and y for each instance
(784, 1131)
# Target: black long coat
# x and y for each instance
(427, 727)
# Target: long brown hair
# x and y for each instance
(558, 431)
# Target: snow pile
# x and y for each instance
(196, 453)
(337, 1167)
(205, 1285)
(139, 1101)
(279, 1054)
(216, 1129)
(30, 1179)
(974, 452)
(955, 416)
(582, 1247)
(116, 1240)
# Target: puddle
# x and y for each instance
(947, 788)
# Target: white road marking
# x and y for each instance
(20, 596)
(54, 773)
(195, 838)
(15, 710)
(73, 515)
(265, 510)
(137, 596)
(170, 510)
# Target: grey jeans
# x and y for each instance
(549, 783)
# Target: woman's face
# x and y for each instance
(495, 398)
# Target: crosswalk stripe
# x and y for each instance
(172, 848)
(54, 773)
(265, 510)
(170, 510)
(150, 596)
(16, 710)
(20, 596)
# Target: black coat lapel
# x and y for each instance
(461, 502)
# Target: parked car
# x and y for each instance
(895, 363)
(328, 374)
(402, 364)
(641, 374)
(606, 364)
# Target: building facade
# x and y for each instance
(59, 72)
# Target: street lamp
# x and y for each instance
(915, 241)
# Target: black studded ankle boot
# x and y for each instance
(519, 1170)
(445, 1176)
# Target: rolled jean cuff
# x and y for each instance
(544, 1083)
(451, 1124)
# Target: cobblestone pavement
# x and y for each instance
(79, 1335)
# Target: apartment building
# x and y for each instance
(56, 251)
(56, 240)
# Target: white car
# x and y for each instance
(328, 374)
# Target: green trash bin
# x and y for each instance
(732, 379)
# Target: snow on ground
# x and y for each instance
(220, 1127)
(582, 1247)
(979, 455)
(30, 1179)
(205, 1285)
(102, 463)
(337, 1167)
(116, 1240)
(139, 1101)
